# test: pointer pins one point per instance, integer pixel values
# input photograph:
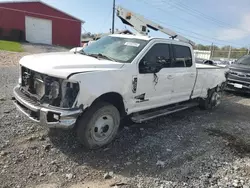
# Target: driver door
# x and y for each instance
(155, 80)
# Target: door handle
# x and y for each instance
(170, 77)
(192, 75)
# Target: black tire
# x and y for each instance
(209, 103)
(204, 104)
(89, 128)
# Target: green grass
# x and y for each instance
(10, 46)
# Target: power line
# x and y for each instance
(106, 20)
(197, 33)
(202, 39)
(189, 30)
(166, 12)
(195, 13)
(84, 29)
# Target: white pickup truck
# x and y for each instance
(117, 76)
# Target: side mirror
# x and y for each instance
(159, 59)
(147, 67)
(144, 62)
(162, 60)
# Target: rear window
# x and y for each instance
(183, 57)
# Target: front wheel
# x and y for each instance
(212, 101)
(98, 126)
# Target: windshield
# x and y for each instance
(116, 48)
(244, 60)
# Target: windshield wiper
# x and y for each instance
(99, 55)
(81, 52)
(106, 57)
(92, 55)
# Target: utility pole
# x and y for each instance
(229, 53)
(113, 18)
(248, 50)
(211, 50)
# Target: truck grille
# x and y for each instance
(33, 82)
(241, 77)
(240, 74)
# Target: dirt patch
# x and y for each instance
(10, 59)
(238, 145)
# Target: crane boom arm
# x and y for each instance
(141, 24)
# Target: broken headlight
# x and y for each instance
(69, 93)
(60, 93)
(38, 85)
(54, 90)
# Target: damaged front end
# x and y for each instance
(46, 99)
(48, 90)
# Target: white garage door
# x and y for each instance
(38, 30)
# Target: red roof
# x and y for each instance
(39, 1)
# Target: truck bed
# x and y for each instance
(208, 76)
(204, 66)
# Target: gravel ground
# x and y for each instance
(192, 148)
(42, 48)
(8, 59)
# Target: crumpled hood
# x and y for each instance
(62, 64)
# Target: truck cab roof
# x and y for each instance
(142, 37)
(148, 38)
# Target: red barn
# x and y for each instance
(41, 23)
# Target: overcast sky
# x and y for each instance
(223, 22)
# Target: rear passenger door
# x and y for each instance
(184, 73)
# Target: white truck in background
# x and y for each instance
(118, 76)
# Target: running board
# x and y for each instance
(139, 118)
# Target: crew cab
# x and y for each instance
(117, 76)
(238, 77)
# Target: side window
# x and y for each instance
(157, 57)
(183, 57)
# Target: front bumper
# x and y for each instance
(238, 86)
(49, 116)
